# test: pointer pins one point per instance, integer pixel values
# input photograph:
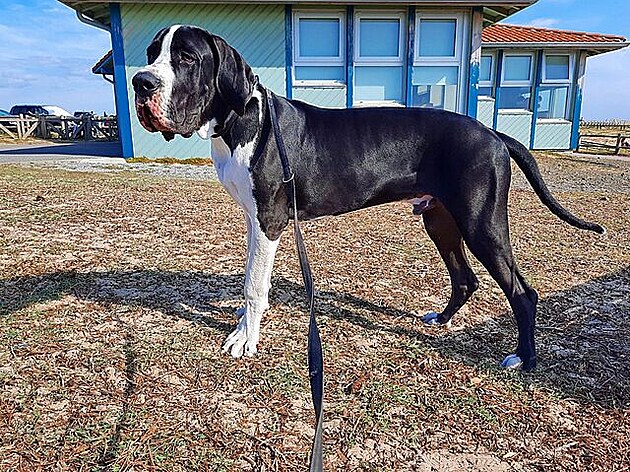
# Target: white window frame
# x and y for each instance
(568, 81)
(460, 23)
(380, 15)
(558, 82)
(518, 83)
(493, 69)
(462, 30)
(388, 61)
(299, 61)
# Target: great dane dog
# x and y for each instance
(453, 169)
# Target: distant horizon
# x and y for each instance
(61, 74)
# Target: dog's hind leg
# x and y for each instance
(486, 233)
(261, 252)
(449, 242)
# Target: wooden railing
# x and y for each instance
(618, 124)
(86, 128)
(604, 143)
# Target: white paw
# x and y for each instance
(238, 343)
(511, 362)
(240, 312)
(430, 318)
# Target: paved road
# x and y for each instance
(42, 152)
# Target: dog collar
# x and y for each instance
(220, 130)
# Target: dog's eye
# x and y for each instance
(187, 58)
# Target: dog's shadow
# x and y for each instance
(582, 335)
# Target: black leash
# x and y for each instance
(315, 358)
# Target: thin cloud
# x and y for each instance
(544, 22)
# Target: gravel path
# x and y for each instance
(562, 172)
(183, 171)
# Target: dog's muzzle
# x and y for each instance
(148, 102)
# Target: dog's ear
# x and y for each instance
(234, 79)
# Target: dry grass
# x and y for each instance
(117, 291)
(6, 139)
(197, 161)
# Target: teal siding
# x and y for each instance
(331, 97)
(517, 124)
(553, 135)
(485, 111)
(256, 31)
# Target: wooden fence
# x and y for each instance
(618, 124)
(87, 128)
(604, 143)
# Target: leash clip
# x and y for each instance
(292, 177)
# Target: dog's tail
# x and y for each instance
(528, 165)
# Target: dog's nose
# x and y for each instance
(145, 83)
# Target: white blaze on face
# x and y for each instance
(163, 70)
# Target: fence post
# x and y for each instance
(88, 126)
(42, 127)
(618, 145)
(19, 126)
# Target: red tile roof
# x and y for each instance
(502, 33)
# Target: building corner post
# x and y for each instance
(288, 48)
(349, 56)
(580, 69)
(475, 61)
(411, 44)
(537, 81)
(120, 82)
(497, 90)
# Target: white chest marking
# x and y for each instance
(233, 168)
(233, 172)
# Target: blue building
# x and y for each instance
(526, 82)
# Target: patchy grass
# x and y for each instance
(6, 139)
(117, 290)
(195, 161)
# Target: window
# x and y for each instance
(557, 68)
(516, 82)
(437, 38)
(485, 69)
(486, 75)
(437, 67)
(379, 50)
(517, 69)
(319, 48)
(435, 87)
(554, 92)
(552, 102)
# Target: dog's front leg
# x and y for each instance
(261, 252)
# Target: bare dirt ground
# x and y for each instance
(117, 290)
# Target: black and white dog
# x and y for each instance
(453, 169)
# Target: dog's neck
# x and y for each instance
(243, 129)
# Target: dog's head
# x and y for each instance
(192, 77)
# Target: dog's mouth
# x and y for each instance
(151, 116)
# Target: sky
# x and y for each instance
(46, 54)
